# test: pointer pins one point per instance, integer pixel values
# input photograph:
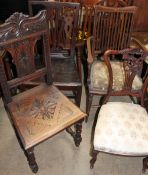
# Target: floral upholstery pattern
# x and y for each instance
(122, 128)
(99, 76)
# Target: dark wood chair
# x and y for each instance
(42, 111)
(117, 2)
(112, 3)
(63, 26)
(129, 2)
(121, 127)
(85, 23)
(112, 30)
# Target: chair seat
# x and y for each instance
(64, 72)
(122, 128)
(99, 77)
(41, 112)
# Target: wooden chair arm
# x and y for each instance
(139, 44)
(89, 51)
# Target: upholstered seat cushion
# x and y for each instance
(122, 128)
(99, 77)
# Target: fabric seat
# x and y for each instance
(122, 128)
(99, 77)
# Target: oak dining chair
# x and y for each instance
(40, 111)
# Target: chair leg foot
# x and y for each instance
(94, 158)
(145, 164)
(78, 130)
(31, 160)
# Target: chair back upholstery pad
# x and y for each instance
(122, 128)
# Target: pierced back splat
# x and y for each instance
(18, 36)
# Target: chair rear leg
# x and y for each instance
(145, 164)
(78, 96)
(94, 158)
(89, 99)
(31, 160)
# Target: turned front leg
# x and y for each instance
(31, 160)
(145, 164)
(94, 158)
(78, 130)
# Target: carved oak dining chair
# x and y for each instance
(42, 111)
(112, 30)
(63, 24)
(121, 127)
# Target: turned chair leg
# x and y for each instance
(94, 158)
(78, 130)
(29, 154)
(145, 164)
(31, 160)
(88, 105)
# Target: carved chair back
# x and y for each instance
(132, 61)
(87, 14)
(112, 28)
(79, 1)
(112, 3)
(18, 36)
(129, 2)
(63, 23)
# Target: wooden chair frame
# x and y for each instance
(99, 42)
(74, 85)
(19, 35)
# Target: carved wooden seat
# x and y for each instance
(41, 111)
(63, 26)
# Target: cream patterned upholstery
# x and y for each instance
(99, 77)
(122, 128)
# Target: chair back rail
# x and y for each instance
(112, 3)
(18, 36)
(112, 28)
(132, 60)
(63, 23)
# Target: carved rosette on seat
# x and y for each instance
(42, 113)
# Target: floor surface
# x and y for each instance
(59, 156)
